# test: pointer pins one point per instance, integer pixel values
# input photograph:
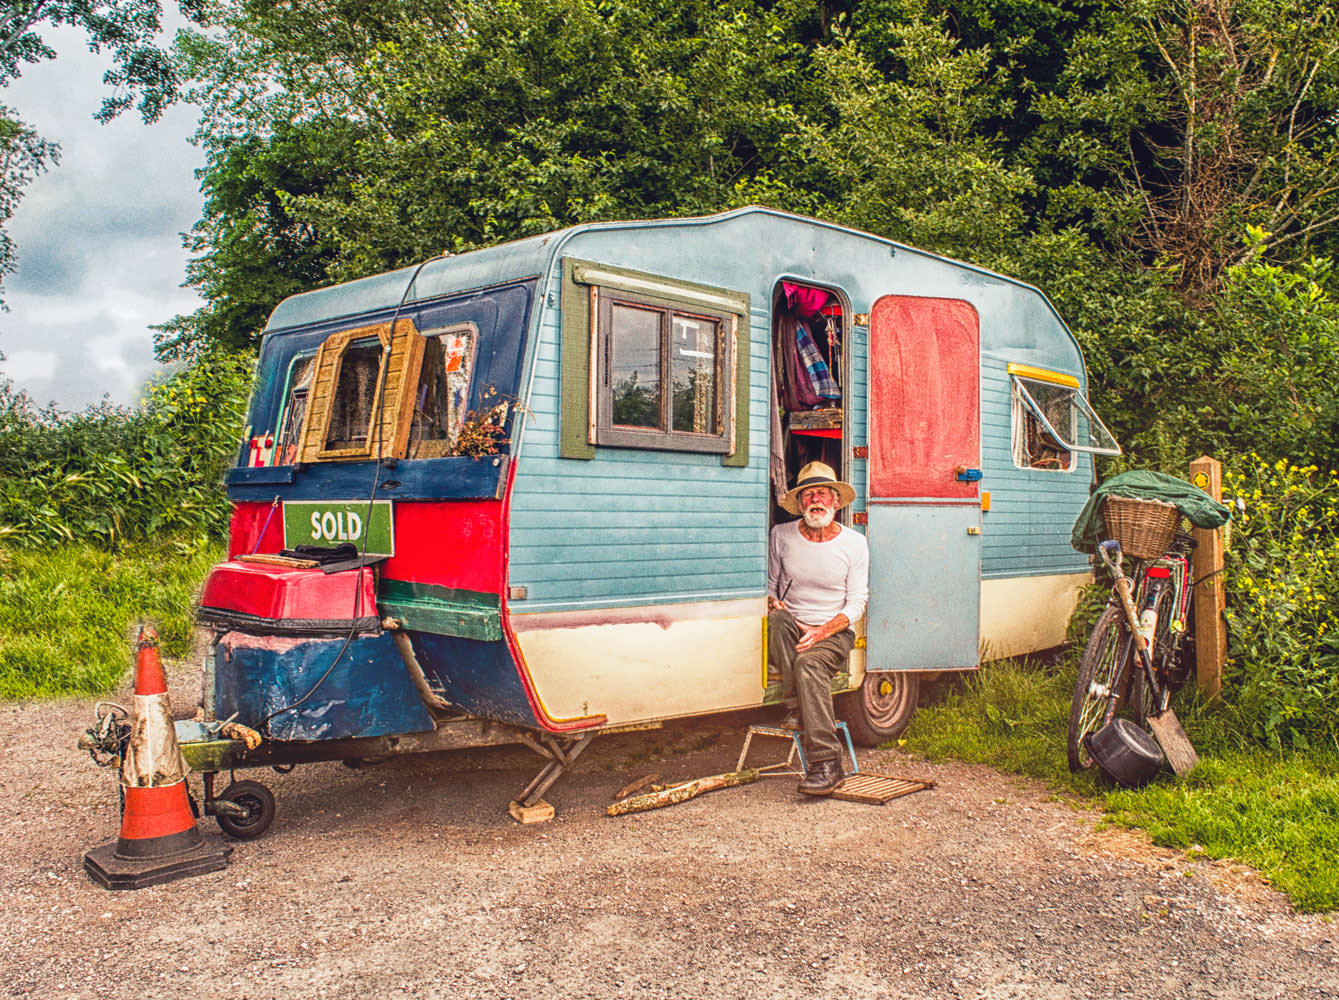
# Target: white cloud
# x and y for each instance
(100, 256)
(31, 365)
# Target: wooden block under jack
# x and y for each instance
(540, 812)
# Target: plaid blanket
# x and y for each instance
(812, 358)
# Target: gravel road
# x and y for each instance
(409, 879)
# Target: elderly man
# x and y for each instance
(817, 587)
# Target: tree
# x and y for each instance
(141, 72)
(371, 138)
(23, 155)
(1182, 122)
(128, 29)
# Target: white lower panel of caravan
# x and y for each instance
(635, 664)
(1025, 614)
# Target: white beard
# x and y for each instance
(819, 521)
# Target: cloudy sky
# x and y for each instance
(99, 246)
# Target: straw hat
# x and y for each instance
(817, 474)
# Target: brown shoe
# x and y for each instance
(791, 722)
(823, 778)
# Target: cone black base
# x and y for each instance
(113, 872)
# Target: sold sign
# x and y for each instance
(329, 524)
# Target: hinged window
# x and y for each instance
(301, 374)
(441, 398)
(1052, 421)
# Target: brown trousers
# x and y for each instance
(807, 678)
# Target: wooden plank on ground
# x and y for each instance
(877, 789)
(1171, 736)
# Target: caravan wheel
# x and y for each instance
(882, 707)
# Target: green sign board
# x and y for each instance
(331, 523)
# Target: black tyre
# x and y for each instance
(257, 800)
(1103, 674)
(881, 707)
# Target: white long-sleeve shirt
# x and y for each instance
(819, 580)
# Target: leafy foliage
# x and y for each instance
(110, 475)
(127, 28)
(1283, 602)
(23, 155)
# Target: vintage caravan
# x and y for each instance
(554, 465)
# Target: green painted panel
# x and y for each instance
(574, 405)
(468, 614)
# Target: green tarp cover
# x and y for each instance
(1202, 510)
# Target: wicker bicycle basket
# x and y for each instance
(1144, 528)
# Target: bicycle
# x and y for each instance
(1140, 650)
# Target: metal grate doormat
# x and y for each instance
(877, 789)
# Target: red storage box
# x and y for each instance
(264, 599)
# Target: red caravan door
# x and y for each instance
(924, 520)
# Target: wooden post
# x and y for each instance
(1210, 595)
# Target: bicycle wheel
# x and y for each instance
(1102, 685)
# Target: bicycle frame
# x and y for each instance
(1123, 587)
(1137, 595)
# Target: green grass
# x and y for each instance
(1277, 812)
(68, 615)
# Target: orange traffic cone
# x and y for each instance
(159, 841)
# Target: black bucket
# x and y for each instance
(1127, 755)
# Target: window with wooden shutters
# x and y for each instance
(357, 407)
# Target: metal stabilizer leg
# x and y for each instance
(529, 806)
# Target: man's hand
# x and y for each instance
(812, 635)
(775, 604)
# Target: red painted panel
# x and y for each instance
(249, 520)
(924, 397)
(451, 543)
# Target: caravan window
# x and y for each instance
(355, 402)
(355, 395)
(442, 397)
(661, 377)
(300, 374)
(1052, 421)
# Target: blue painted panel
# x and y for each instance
(368, 693)
(480, 677)
(455, 478)
(924, 588)
(502, 316)
(631, 526)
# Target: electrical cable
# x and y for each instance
(371, 499)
